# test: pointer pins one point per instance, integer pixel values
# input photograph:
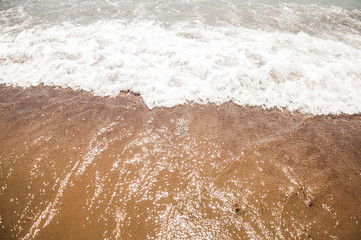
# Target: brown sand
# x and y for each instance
(75, 166)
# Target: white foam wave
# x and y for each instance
(188, 62)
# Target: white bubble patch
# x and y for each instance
(188, 62)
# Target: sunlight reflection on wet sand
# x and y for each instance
(78, 166)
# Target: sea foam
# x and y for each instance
(188, 62)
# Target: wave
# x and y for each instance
(190, 61)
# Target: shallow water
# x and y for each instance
(78, 166)
(246, 148)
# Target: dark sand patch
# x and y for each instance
(75, 166)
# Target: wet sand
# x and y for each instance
(76, 166)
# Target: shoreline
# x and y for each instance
(81, 166)
(137, 97)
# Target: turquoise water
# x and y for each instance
(322, 18)
(241, 12)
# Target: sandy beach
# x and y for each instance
(165, 119)
(77, 166)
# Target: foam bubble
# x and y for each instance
(188, 62)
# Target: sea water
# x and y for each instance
(298, 55)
